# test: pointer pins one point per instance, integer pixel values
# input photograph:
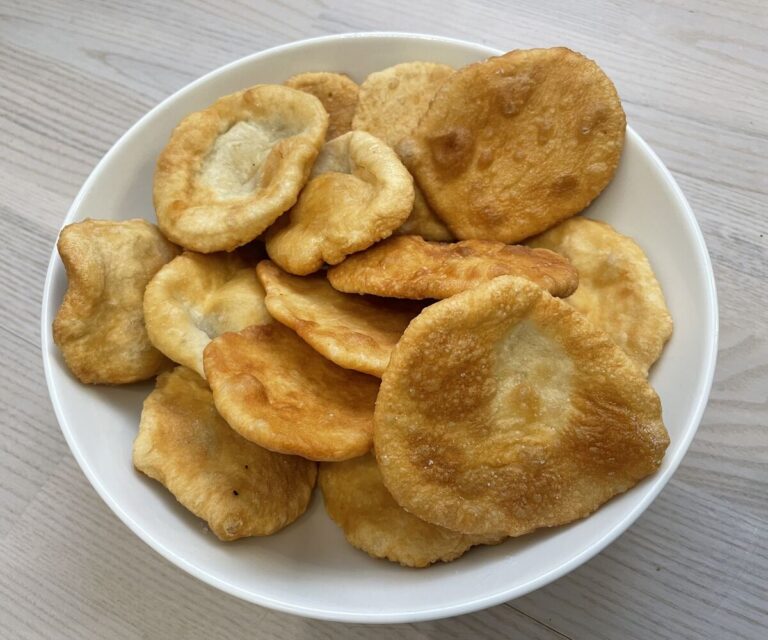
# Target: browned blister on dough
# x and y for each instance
(514, 144)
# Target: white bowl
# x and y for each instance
(308, 568)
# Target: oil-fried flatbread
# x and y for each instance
(197, 297)
(238, 487)
(618, 290)
(358, 194)
(514, 144)
(410, 267)
(336, 91)
(423, 222)
(504, 409)
(277, 391)
(392, 101)
(355, 332)
(230, 170)
(100, 324)
(357, 500)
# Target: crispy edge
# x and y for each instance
(413, 268)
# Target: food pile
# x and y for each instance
(389, 280)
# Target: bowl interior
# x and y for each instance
(308, 568)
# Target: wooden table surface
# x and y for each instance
(693, 75)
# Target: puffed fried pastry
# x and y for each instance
(355, 332)
(359, 193)
(230, 170)
(236, 486)
(392, 101)
(618, 290)
(514, 144)
(357, 500)
(337, 92)
(99, 326)
(197, 297)
(277, 391)
(411, 267)
(504, 409)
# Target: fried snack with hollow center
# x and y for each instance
(336, 91)
(230, 170)
(357, 500)
(99, 326)
(238, 487)
(359, 193)
(514, 144)
(197, 297)
(618, 290)
(410, 267)
(392, 101)
(355, 332)
(277, 391)
(504, 409)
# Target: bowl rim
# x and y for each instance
(658, 481)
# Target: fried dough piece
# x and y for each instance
(99, 326)
(618, 290)
(423, 222)
(355, 332)
(392, 101)
(337, 92)
(197, 297)
(230, 170)
(410, 267)
(275, 390)
(514, 144)
(357, 500)
(359, 193)
(238, 487)
(504, 409)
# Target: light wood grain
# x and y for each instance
(694, 79)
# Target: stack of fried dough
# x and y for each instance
(389, 280)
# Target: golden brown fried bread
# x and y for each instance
(514, 144)
(276, 391)
(359, 193)
(357, 500)
(423, 222)
(238, 487)
(504, 409)
(392, 101)
(355, 332)
(410, 267)
(99, 326)
(618, 290)
(230, 170)
(197, 297)
(336, 91)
